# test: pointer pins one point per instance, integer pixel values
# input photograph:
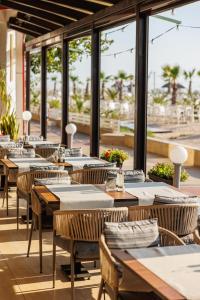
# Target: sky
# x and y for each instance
(176, 47)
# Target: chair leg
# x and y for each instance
(27, 219)
(54, 262)
(3, 199)
(100, 289)
(72, 272)
(95, 264)
(40, 240)
(30, 239)
(7, 196)
(17, 211)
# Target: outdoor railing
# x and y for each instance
(81, 118)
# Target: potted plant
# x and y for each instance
(9, 125)
(115, 156)
(164, 172)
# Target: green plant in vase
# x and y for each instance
(115, 156)
(8, 120)
(9, 125)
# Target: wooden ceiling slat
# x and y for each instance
(23, 30)
(32, 27)
(101, 2)
(53, 8)
(112, 1)
(36, 12)
(37, 21)
(79, 5)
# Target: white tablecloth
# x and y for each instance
(146, 191)
(36, 143)
(24, 164)
(7, 144)
(79, 162)
(81, 197)
(178, 266)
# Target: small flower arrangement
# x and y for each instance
(166, 171)
(115, 155)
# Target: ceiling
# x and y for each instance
(38, 17)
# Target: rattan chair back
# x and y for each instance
(90, 176)
(178, 218)
(25, 180)
(45, 152)
(86, 225)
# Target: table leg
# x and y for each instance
(80, 272)
(6, 194)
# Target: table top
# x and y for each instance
(80, 196)
(159, 286)
(63, 164)
(35, 143)
(8, 163)
(48, 197)
(12, 165)
(78, 162)
(21, 165)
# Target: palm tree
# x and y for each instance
(131, 79)
(188, 76)
(79, 102)
(166, 75)
(75, 80)
(171, 74)
(112, 94)
(104, 79)
(54, 79)
(87, 88)
(175, 72)
(120, 78)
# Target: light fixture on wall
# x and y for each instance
(178, 155)
(27, 116)
(70, 130)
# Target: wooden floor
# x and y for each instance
(19, 276)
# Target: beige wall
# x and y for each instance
(11, 59)
(4, 16)
(154, 146)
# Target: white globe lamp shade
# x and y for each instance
(27, 115)
(71, 129)
(178, 155)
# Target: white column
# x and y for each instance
(14, 72)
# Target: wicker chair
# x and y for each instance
(90, 176)
(36, 217)
(121, 284)
(3, 189)
(24, 186)
(3, 153)
(178, 218)
(78, 232)
(45, 151)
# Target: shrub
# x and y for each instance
(166, 171)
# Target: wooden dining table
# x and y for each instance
(53, 201)
(11, 170)
(177, 281)
(123, 198)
